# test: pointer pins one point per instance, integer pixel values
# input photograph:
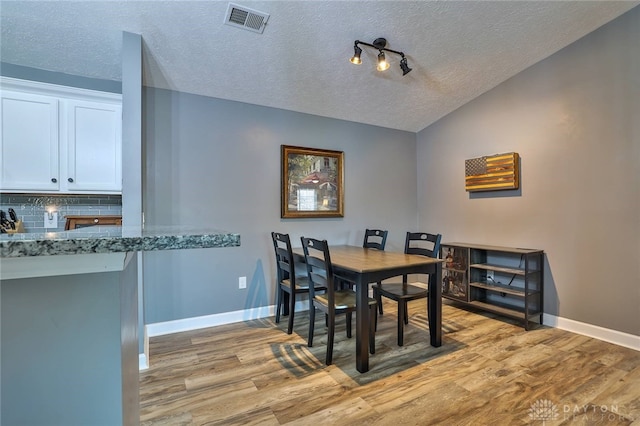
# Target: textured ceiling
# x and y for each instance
(457, 49)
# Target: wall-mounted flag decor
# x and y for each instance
(491, 173)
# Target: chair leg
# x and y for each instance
(372, 329)
(278, 303)
(292, 304)
(312, 320)
(286, 303)
(375, 315)
(429, 312)
(330, 334)
(378, 297)
(349, 316)
(401, 313)
(406, 313)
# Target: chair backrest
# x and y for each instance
(319, 267)
(422, 243)
(375, 238)
(284, 256)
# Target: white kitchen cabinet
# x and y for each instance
(94, 148)
(29, 153)
(57, 139)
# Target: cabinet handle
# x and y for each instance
(70, 179)
(96, 220)
(54, 180)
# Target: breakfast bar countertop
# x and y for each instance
(113, 239)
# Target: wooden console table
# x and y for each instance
(504, 280)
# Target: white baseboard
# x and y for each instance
(143, 358)
(607, 335)
(161, 328)
(195, 323)
(142, 362)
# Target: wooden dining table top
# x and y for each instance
(362, 260)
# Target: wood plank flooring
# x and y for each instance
(488, 371)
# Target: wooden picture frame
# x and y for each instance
(312, 184)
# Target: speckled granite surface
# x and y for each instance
(113, 239)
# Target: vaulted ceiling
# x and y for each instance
(457, 49)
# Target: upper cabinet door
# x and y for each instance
(29, 142)
(94, 146)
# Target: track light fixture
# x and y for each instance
(404, 67)
(356, 56)
(383, 64)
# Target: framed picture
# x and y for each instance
(312, 183)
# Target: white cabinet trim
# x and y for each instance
(36, 87)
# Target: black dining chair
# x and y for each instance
(420, 243)
(375, 238)
(333, 302)
(291, 281)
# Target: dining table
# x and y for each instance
(363, 266)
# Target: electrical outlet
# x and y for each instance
(50, 219)
(242, 282)
(490, 276)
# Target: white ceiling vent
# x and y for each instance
(248, 19)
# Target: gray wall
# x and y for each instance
(575, 120)
(69, 349)
(216, 163)
(132, 164)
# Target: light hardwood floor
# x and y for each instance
(488, 371)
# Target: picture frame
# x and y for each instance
(312, 183)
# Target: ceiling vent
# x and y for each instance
(248, 19)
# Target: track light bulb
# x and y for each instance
(383, 65)
(356, 56)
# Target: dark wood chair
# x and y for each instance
(333, 302)
(420, 243)
(290, 280)
(375, 238)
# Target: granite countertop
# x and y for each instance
(113, 239)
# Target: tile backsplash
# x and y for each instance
(30, 208)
